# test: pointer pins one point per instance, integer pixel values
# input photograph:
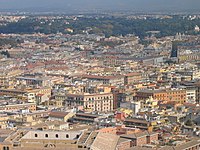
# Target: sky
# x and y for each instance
(69, 5)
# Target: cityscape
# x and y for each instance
(99, 80)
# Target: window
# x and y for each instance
(56, 135)
(5, 148)
(46, 135)
(36, 135)
(67, 135)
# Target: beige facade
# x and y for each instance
(38, 95)
(130, 78)
(42, 140)
(16, 107)
(92, 102)
(6, 77)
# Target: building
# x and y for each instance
(101, 102)
(57, 140)
(38, 95)
(9, 75)
(174, 52)
(86, 118)
(12, 92)
(130, 78)
(105, 141)
(149, 103)
(197, 85)
(135, 107)
(32, 81)
(141, 138)
(189, 57)
(106, 80)
(123, 144)
(17, 107)
(196, 28)
(60, 116)
(193, 144)
(176, 95)
(138, 123)
(152, 60)
(191, 94)
(119, 130)
(50, 139)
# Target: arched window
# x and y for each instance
(5, 148)
(46, 135)
(67, 135)
(56, 135)
(36, 135)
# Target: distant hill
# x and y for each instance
(100, 5)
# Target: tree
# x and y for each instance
(6, 53)
(189, 122)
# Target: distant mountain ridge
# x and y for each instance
(100, 5)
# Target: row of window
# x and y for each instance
(104, 101)
(92, 98)
(170, 95)
(56, 135)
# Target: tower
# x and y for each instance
(174, 52)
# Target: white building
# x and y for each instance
(135, 107)
(191, 95)
(196, 28)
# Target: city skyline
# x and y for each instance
(99, 75)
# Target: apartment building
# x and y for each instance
(17, 107)
(141, 138)
(176, 95)
(101, 102)
(38, 95)
(106, 80)
(132, 77)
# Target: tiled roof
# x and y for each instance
(105, 141)
(58, 114)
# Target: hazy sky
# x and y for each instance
(135, 5)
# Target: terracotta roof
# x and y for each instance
(140, 148)
(58, 114)
(101, 77)
(105, 141)
(138, 135)
(133, 74)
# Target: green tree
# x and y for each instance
(189, 122)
